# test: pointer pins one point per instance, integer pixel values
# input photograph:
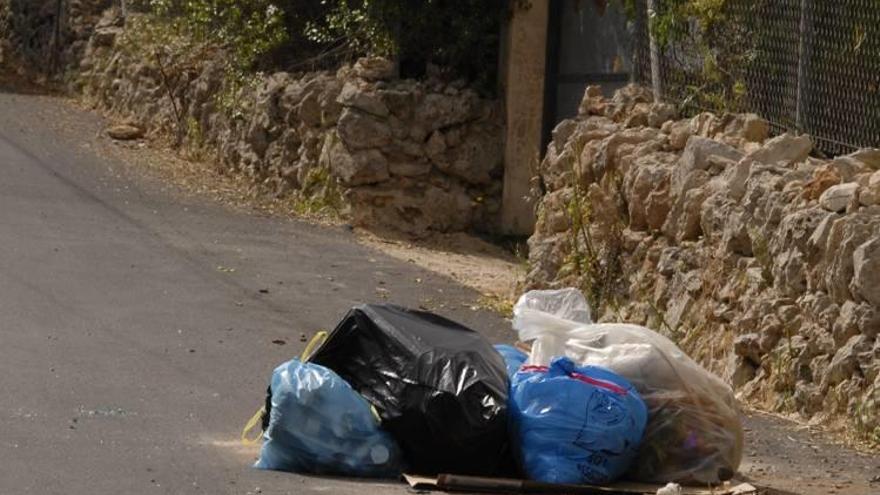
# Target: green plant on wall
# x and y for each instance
(461, 36)
(596, 243)
(361, 27)
(320, 194)
(707, 46)
(248, 29)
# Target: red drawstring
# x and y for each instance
(539, 369)
(617, 389)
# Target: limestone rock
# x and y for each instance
(823, 178)
(554, 216)
(660, 113)
(868, 156)
(755, 129)
(638, 117)
(870, 194)
(683, 221)
(696, 156)
(734, 178)
(785, 149)
(309, 109)
(679, 132)
(410, 168)
(846, 235)
(125, 132)
(848, 168)
(374, 69)
(357, 168)
(796, 229)
(438, 111)
(651, 177)
(608, 154)
(371, 103)
(476, 159)
(414, 209)
(854, 318)
(836, 198)
(400, 101)
(743, 371)
(747, 346)
(678, 309)
(359, 130)
(846, 359)
(106, 36)
(866, 271)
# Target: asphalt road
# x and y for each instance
(136, 341)
(137, 326)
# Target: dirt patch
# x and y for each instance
(796, 458)
(466, 259)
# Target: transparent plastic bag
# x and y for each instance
(545, 317)
(319, 425)
(574, 424)
(694, 433)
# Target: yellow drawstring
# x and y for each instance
(255, 420)
(313, 345)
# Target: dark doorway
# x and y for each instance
(589, 42)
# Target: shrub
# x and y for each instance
(461, 36)
(247, 28)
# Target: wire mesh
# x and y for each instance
(807, 65)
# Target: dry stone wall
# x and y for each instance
(412, 156)
(37, 34)
(760, 260)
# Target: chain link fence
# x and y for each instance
(810, 66)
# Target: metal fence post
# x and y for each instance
(801, 71)
(654, 53)
(55, 41)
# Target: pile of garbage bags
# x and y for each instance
(395, 390)
(694, 434)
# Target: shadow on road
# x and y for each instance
(13, 82)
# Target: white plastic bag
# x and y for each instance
(545, 318)
(694, 434)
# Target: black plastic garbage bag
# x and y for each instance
(439, 387)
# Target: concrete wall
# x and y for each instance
(523, 80)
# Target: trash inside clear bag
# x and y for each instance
(694, 432)
(319, 425)
(574, 424)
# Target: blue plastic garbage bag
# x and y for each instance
(574, 424)
(319, 425)
(513, 358)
